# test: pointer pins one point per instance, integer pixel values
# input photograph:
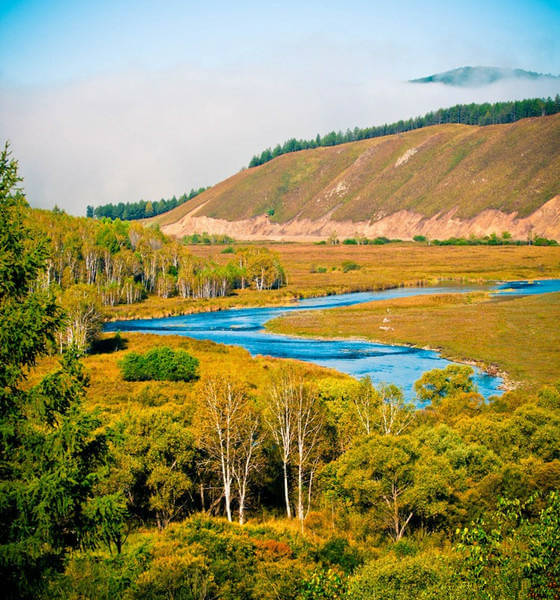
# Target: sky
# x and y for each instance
(114, 101)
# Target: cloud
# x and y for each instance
(140, 134)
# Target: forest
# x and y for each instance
(468, 114)
(135, 469)
(96, 263)
(143, 209)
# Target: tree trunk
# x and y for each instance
(286, 491)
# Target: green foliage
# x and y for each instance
(349, 265)
(131, 211)
(514, 556)
(324, 585)
(207, 239)
(419, 238)
(318, 269)
(159, 364)
(471, 114)
(494, 240)
(441, 383)
(50, 448)
(394, 579)
(107, 517)
(339, 553)
(154, 466)
(378, 241)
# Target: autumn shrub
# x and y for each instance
(175, 571)
(159, 364)
(281, 579)
(98, 575)
(272, 549)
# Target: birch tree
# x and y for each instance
(247, 455)
(308, 428)
(365, 402)
(230, 436)
(380, 408)
(280, 420)
(395, 416)
(84, 317)
(295, 418)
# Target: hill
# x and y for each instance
(439, 181)
(479, 76)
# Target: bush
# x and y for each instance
(350, 241)
(316, 269)
(394, 579)
(350, 265)
(419, 238)
(338, 552)
(323, 585)
(159, 364)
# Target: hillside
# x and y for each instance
(479, 76)
(439, 181)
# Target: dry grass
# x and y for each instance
(519, 336)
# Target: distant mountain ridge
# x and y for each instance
(441, 181)
(480, 76)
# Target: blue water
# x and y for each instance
(384, 363)
(526, 288)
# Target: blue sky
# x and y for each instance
(113, 101)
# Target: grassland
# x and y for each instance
(510, 168)
(109, 392)
(519, 336)
(380, 267)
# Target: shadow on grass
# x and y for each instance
(107, 345)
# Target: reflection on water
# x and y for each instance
(400, 365)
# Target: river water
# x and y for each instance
(384, 363)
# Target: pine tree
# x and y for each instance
(49, 448)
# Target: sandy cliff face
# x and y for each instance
(403, 224)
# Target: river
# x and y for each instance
(384, 363)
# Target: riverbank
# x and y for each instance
(515, 336)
